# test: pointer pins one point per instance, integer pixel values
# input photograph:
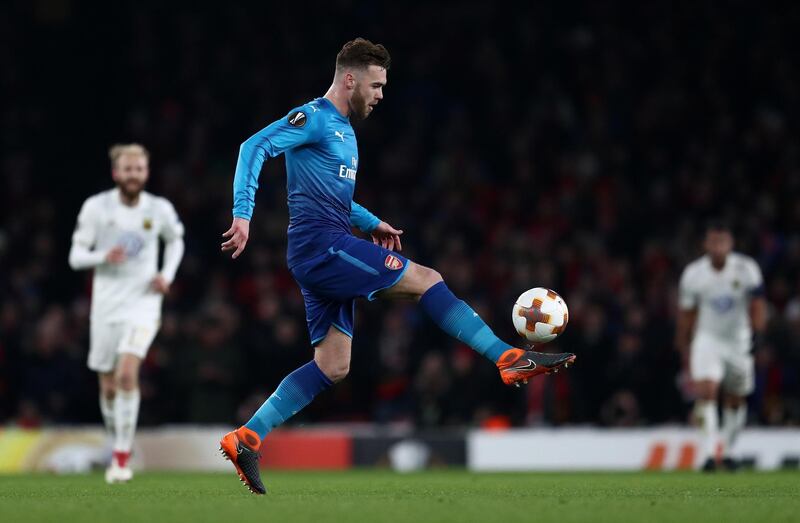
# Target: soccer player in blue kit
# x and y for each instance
(332, 266)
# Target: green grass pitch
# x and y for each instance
(375, 496)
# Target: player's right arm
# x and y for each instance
(301, 126)
(688, 300)
(82, 254)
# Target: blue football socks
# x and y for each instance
(458, 319)
(295, 392)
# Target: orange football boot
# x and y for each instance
(241, 448)
(519, 365)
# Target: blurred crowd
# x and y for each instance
(578, 148)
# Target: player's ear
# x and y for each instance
(349, 80)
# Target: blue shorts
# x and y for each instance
(330, 282)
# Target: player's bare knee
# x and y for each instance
(339, 372)
(428, 278)
(434, 277)
(733, 402)
(107, 386)
(127, 380)
(706, 391)
(335, 371)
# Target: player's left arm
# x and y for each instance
(382, 233)
(757, 307)
(172, 233)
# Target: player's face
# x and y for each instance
(131, 174)
(368, 91)
(718, 244)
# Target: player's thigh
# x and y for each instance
(414, 283)
(322, 313)
(705, 360)
(350, 268)
(136, 338)
(332, 354)
(739, 379)
(706, 367)
(104, 340)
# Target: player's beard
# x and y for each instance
(358, 104)
(130, 189)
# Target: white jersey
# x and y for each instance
(722, 297)
(122, 292)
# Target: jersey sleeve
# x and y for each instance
(85, 233)
(363, 219)
(755, 280)
(172, 233)
(303, 125)
(687, 293)
(171, 225)
(81, 255)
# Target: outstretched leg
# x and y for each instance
(459, 320)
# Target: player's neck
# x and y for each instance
(338, 100)
(128, 200)
(718, 263)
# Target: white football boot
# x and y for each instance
(117, 474)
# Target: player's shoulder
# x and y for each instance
(696, 267)
(159, 202)
(738, 257)
(309, 114)
(744, 262)
(318, 113)
(97, 200)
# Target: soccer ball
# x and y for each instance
(540, 315)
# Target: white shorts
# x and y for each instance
(727, 363)
(107, 340)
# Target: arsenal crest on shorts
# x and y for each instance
(393, 263)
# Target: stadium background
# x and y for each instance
(577, 147)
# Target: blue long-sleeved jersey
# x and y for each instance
(321, 163)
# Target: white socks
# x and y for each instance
(107, 410)
(126, 412)
(733, 421)
(708, 412)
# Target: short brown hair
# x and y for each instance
(362, 53)
(119, 149)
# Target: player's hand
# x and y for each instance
(387, 237)
(116, 255)
(237, 237)
(160, 284)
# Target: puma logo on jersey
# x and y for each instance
(339, 134)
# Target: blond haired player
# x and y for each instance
(117, 235)
(721, 307)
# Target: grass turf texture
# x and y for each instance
(368, 495)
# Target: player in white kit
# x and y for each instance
(721, 306)
(117, 235)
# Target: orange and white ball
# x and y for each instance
(540, 315)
